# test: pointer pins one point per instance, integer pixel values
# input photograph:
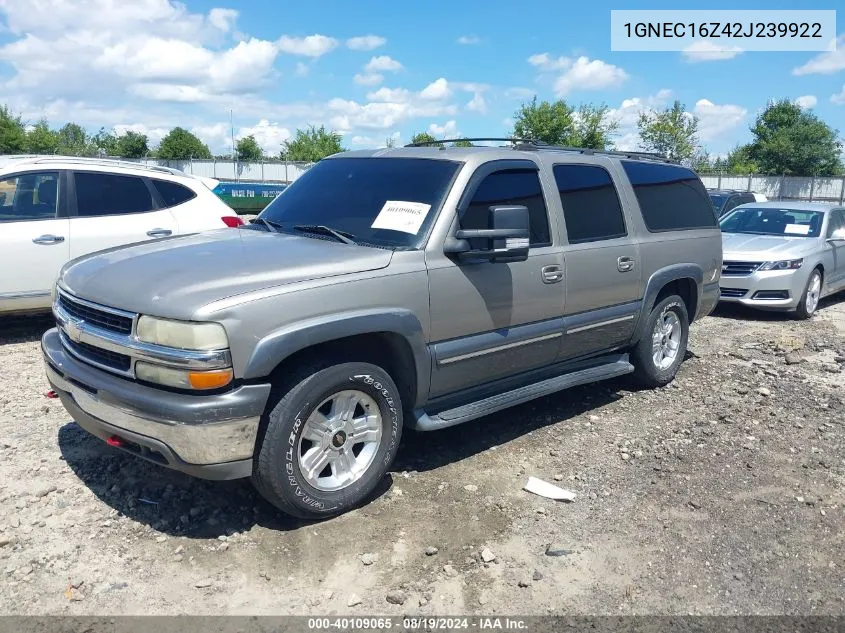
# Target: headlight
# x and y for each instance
(182, 379)
(182, 334)
(788, 264)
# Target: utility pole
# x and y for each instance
(234, 156)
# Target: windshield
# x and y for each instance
(387, 202)
(768, 221)
(717, 200)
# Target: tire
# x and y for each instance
(810, 297)
(316, 422)
(647, 370)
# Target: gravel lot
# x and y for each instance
(720, 494)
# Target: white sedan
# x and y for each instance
(56, 208)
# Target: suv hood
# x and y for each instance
(746, 247)
(174, 277)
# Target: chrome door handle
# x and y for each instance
(159, 232)
(551, 274)
(48, 239)
(624, 264)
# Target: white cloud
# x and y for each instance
(345, 114)
(436, 90)
(309, 46)
(839, 98)
(448, 130)
(519, 93)
(477, 104)
(368, 79)
(825, 63)
(269, 136)
(223, 19)
(714, 121)
(468, 39)
(807, 101)
(706, 50)
(301, 69)
(387, 95)
(365, 42)
(587, 74)
(582, 73)
(544, 61)
(382, 63)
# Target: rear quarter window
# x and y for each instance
(671, 197)
(172, 193)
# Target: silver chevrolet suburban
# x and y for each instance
(416, 287)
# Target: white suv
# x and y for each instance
(56, 208)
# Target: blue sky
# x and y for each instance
(373, 69)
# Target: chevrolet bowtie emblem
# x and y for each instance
(73, 331)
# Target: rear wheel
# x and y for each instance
(660, 351)
(810, 299)
(329, 440)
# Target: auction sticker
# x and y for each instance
(399, 215)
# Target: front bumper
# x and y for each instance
(207, 436)
(758, 289)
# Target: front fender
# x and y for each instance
(282, 343)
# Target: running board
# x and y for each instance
(473, 410)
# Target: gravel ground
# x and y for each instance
(719, 494)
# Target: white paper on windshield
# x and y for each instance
(797, 229)
(399, 215)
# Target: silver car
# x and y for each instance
(783, 255)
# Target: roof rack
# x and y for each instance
(455, 140)
(85, 160)
(534, 144)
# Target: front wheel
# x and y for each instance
(810, 299)
(329, 440)
(660, 352)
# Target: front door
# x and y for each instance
(112, 210)
(490, 320)
(33, 239)
(836, 277)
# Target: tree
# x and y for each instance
(12, 134)
(312, 145)
(102, 142)
(180, 144)
(739, 161)
(463, 143)
(72, 140)
(792, 141)
(425, 137)
(673, 133)
(132, 145)
(551, 123)
(390, 142)
(701, 162)
(41, 139)
(249, 150)
(593, 127)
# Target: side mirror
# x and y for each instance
(837, 236)
(507, 237)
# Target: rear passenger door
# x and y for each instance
(603, 278)
(114, 209)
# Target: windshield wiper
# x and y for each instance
(271, 225)
(341, 236)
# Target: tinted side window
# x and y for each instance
(110, 194)
(671, 197)
(591, 205)
(511, 186)
(837, 221)
(29, 196)
(173, 193)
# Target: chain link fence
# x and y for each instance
(273, 171)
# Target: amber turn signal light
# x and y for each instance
(210, 379)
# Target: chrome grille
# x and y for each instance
(98, 355)
(111, 320)
(734, 293)
(739, 269)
